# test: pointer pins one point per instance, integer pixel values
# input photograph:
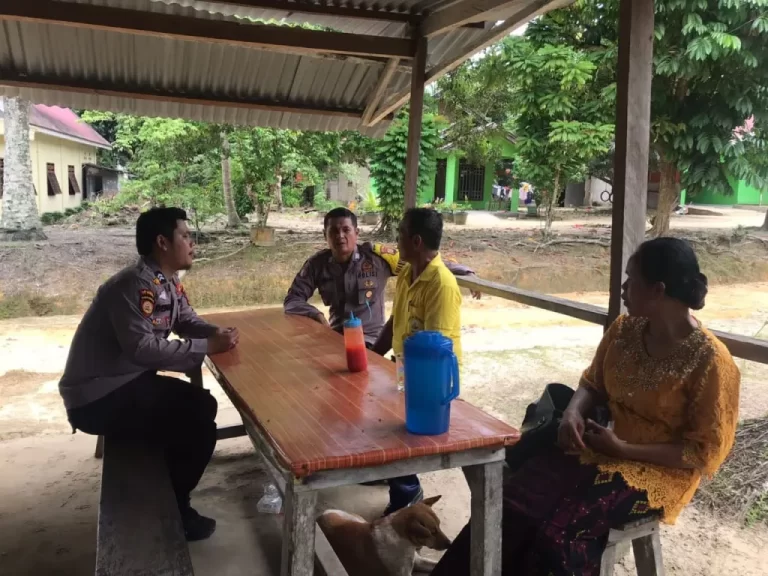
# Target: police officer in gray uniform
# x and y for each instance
(110, 384)
(352, 278)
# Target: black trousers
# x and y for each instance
(159, 410)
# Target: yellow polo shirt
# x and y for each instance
(431, 302)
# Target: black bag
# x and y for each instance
(541, 422)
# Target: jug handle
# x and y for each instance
(454, 380)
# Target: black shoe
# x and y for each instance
(375, 483)
(197, 527)
(395, 506)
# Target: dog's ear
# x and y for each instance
(432, 501)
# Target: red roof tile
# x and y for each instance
(64, 121)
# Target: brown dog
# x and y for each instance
(388, 546)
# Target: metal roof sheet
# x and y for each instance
(72, 56)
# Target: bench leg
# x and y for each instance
(608, 561)
(648, 555)
(298, 533)
(485, 482)
(99, 453)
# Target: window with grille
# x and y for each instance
(74, 188)
(471, 182)
(53, 182)
(2, 175)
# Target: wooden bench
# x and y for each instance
(140, 531)
(646, 543)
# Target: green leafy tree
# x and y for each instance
(710, 72)
(478, 98)
(559, 128)
(388, 164)
(710, 75)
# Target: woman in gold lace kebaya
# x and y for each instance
(672, 389)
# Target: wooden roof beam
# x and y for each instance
(330, 10)
(491, 37)
(278, 38)
(17, 80)
(323, 10)
(378, 93)
(463, 13)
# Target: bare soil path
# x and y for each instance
(49, 481)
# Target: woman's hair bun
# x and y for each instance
(673, 262)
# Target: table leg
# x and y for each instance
(485, 482)
(298, 533)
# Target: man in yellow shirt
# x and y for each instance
(427, 297)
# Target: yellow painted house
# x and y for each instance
(63, 151)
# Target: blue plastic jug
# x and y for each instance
(431, 382)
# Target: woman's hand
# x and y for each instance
(604, 440)
(570, 432)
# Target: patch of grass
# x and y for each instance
(740, 488)
(758, 512)
(48, 218)
(26, 304)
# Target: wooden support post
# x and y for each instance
(648, 555)
(485, 483)
(298, 533)
(633, 120)
(418, 77)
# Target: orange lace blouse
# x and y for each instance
(689, 397)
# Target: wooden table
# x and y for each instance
(318, 426)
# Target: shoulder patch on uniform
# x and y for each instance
(181, 293)
(388, 250)
(146, 302)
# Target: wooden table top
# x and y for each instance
(289, 374)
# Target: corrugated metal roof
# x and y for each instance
(121, 63)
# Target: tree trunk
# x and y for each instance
(20, 218)
(669, 194)
(765, 223)
(233, 221)
(279, 191)
(549, 207)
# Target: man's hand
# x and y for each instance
(603, 440)
(321, 319)
(569, 435)
(475, 294)
(223, 340)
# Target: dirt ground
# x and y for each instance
(49, 480)
(61, 274)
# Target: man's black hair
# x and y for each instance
(426, 223)
(339, 213)
(153, 223)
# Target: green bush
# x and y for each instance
(293, 196)
(388, 164)
(48, 218)
(243, 203)
(322, 204)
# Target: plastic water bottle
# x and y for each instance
(271, 502)
(354, 344)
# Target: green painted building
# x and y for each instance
(743, 194)
(456, 180)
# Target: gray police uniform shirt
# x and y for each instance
(358, 289)
(125, 333)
